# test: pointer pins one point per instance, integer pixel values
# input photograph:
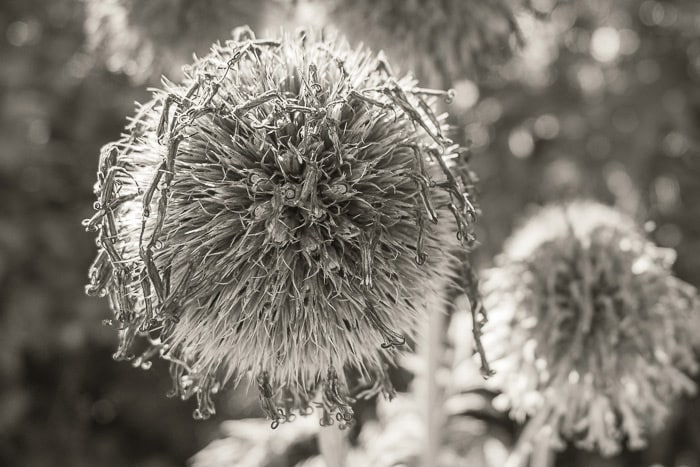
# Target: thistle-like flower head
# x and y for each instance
(145, 39)
(289, 210)
(589, 327)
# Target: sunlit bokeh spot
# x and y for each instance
(547, 126)
(605, 44)
(521, 143)
(466, 94)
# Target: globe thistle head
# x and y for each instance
(440, 41)
(287, 211)
(145, 39)
(588, 326)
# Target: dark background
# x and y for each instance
(561, 119)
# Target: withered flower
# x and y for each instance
(287, 212)
(588, 328)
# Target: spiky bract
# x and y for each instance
(145, 39)
(288, 210)
(440, 41)
(588, 326)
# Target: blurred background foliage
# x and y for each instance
(602, 99)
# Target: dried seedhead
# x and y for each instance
(288, 211)
(588, 327)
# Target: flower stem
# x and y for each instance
(542, 453)
(433, 392)
(528, 439)
(334, 446)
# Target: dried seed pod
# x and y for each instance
(588, 327)
(270, 222)
(147, 39)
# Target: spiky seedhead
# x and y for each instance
(289, 210)
(440, 41)
(145, 39)
(589, 327)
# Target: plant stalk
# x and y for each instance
(333, 445)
